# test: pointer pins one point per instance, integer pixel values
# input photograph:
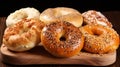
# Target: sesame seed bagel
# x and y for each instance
(100, 39)
(62, 39)
(95, 17)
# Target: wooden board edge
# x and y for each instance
(94, 60)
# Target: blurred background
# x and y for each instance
(8, 6)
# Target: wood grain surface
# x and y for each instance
(2, 27)
(113, 16)
(40, 56)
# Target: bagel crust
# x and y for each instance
(62, 14)
(62, 39)
(23, 35)
(100, 39)
(23, 13)
(95, 17)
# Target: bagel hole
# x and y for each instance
(84, 24)
(96, 33)
(62, 38)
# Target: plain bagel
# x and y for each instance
(62, 13)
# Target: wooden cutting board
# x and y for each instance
(38, 55)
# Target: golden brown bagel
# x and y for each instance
(23, 35)
(95, 17)
(62, 13)
(62, 39)
(100, 39)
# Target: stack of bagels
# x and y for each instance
(62, 31)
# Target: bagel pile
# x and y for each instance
(62, 31)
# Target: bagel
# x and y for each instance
(100, 39)
(62, 39)
(62, 13)
(23, 35)
(20, 14)
(95, 17)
